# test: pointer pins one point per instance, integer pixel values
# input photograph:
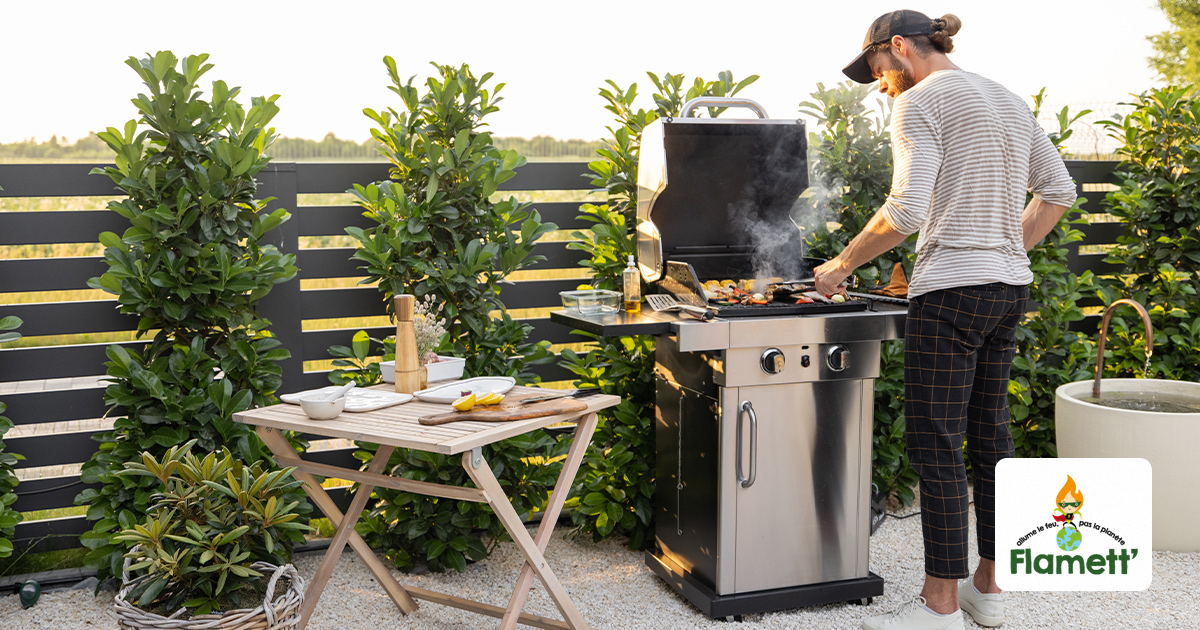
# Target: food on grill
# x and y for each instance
(789, 287)
(741, 293)
(728, 285)
(837, 298)
(729, 292)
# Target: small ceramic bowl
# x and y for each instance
(318, 409)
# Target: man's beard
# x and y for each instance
(898, 78)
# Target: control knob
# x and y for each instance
(772, 361)
(838, 358)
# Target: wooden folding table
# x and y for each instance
(397, 427)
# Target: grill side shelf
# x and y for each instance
(616, 324)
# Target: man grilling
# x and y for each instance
(966, 150)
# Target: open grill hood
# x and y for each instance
(712, 192)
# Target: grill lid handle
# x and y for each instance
(722, 101)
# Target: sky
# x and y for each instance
(62, 70)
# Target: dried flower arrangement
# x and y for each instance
(431, 329)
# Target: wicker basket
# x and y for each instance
(283, 613)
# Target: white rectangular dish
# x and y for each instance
(357, 400)
(447, 393)
(447, 368)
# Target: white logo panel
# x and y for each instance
(1073, 524)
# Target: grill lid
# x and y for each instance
(712, 187)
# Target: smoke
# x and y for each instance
(774, 215)
(776, 243)
(812, 210)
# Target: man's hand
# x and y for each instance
(830, 275)
(876, 238)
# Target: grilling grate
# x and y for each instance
(681, 280)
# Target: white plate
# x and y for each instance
(452, 391)
(357, 400)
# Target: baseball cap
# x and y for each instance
(903, 23)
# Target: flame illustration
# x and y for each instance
(1069, 489)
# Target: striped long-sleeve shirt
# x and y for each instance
(965, 151)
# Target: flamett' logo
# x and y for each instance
(1106, 549)
(1070, 500)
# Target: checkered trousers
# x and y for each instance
(958, 348)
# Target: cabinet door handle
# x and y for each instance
(747, 409)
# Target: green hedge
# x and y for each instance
(192, 266)
(441, 234)
(1158, 200)
(8, 479)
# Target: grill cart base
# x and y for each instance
(720, 606)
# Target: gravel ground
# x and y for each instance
(614, 590)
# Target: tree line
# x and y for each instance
(91, 148)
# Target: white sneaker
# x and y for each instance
(987, 609)
(914, 616)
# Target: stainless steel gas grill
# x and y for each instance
(764, 414)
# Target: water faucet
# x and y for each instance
(1104, 332)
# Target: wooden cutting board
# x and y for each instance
(509, 410)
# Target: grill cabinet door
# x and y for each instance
(799, 522)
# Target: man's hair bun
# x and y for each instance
(949, 23)
(943, 29)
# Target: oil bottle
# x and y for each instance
(633, 287)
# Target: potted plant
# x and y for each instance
(213, 548)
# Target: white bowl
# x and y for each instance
(318, 409)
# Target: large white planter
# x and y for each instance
(1169, 441)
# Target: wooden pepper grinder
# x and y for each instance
(410, 374)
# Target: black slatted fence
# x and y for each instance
(57, 383)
